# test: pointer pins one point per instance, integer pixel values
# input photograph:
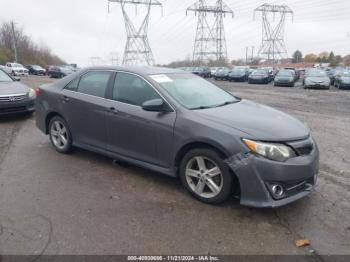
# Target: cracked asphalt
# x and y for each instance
(83, 204)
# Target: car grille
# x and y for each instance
(304, 147)
(12, 110)
(306, 150)
(12, 98)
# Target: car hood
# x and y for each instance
(237, 73)
(257, 121)
(284, 78)
(317, 79)
(257, 77)
(12, 88)
(222, 73)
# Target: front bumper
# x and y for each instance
(344, 85)
(221, 77)
(317, 86)
(20, 73)
(19, 107)
(238, 78)
(258, 80)
(283, 83)
(298, 176)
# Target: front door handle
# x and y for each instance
(65, 99)
(113, 110)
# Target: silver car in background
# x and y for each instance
(316, 78)
(15, 97)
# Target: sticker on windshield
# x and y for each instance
(161, 78)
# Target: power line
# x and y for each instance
(137, 49)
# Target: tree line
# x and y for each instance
(324, 57)
(28, 52)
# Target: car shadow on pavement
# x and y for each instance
(146, 177)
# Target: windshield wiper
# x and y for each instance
(201, 107)
(227, 103)
(223, 104)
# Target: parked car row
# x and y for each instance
(310, 78)
(16, 69)
(200, 71)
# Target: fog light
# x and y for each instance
(277, 190)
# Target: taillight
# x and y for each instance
(37, 92)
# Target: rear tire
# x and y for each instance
(206, 176)
(60, 135)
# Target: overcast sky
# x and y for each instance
(79, 29)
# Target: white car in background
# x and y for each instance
(16, 69)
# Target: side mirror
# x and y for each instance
(154, 105)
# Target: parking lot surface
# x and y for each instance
(83, 204)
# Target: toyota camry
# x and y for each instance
(181, 125)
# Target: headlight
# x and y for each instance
(275, 152)
(31, 93)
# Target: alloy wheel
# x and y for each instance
(204, 177)
(59, 134)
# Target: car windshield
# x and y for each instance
(285, 73)
(239, 70)
(17, 65)
(317, 73)
(66, 70)
(259, 72)
(37, 67)
(194, 92)
(4, 77)
(346, 74)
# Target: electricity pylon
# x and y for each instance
(273, 46)
(210, 43)
(137, 50)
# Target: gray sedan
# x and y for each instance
(15, 97)
(317, 78)
(285, 78)
(181, 125)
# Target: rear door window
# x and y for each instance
(94, 83)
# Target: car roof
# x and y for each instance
(143, 70)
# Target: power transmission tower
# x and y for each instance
(210, 43)
(137, 49)
(14, 42)
(273, 46)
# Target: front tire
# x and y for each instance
(206, 176)
(60, 135)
